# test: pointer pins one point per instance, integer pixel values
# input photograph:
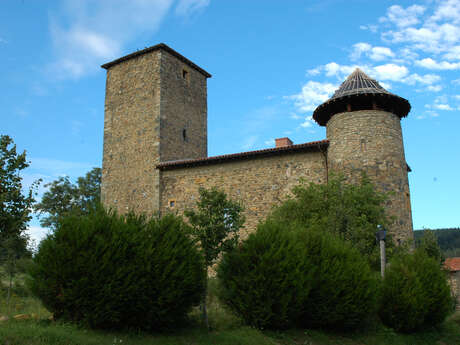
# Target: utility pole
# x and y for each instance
(380, 236)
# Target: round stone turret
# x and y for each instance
(363, 127)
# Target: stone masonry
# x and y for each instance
(155, 143)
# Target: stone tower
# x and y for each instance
(155, 110)
(363, 127)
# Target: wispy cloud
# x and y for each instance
(87, 33)
(374, 53)
(188, 7)
(312, 94)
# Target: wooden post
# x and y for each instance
(382, 258)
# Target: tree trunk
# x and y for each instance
(8, 298)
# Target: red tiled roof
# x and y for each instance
(311, 146)
(153, 48)
(452, 264)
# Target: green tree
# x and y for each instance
(215, 224)
(65, 197)
(429, 244)
(15, 208)
(351, 211)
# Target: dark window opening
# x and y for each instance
(184, 74)
(172, 203)
(184, 134)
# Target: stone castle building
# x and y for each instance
(155, 143)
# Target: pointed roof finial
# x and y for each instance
(360, 92)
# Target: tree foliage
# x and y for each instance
(285, 275)
(429, 244)
(110, 271)
(415, 292)
(65, 197)
(15, 206)
(351, 211)
(215, 225)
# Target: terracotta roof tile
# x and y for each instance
(452, 264)
(314, 145)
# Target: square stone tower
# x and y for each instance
(155, 111)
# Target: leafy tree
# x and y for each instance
(429, 244)
(15, 208)
(65, 197)
(351, 211)
(215, 225)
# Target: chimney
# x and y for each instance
(283, 142)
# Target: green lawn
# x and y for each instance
(226, 329)
(50, 333)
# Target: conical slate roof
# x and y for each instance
(360, 92)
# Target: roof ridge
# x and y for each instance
(230, 156)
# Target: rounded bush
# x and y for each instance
(415, 293)
(111, 271)
(281, 277)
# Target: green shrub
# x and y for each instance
(110, 271)
(350, 211)
(345, 289)
(262, 281)
(415, 293)
(285, 276)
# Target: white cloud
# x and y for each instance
(442, 107)
(390, 71)
(426, 79)
(370, 27)
(37, 233)
(374, 53)
(95, 31)
(312, 94)
(453, 53)
(447, 10)
(429, 63)
(403, 17)
(314, 71)
(295, 116)
(308, 122)
(434, 88)
(187, 7)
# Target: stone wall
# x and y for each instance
(131, 135)
(155, 109)
(454, 282)
(259, 183)
(183, 111)
(371, 141)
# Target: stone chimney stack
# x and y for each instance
(282, 142)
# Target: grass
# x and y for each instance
(225, 329)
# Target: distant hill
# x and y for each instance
(448, 240)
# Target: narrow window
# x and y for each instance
(172, 203)
(184, 134)
(184, 74)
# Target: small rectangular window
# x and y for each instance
(185, 74)
(172, 203)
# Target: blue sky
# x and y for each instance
(272, 63)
